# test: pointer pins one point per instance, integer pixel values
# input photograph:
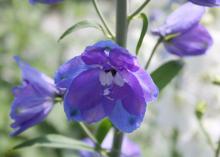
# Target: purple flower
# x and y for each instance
(45, 1)
(106, 81)
(183, 34)
(209, 3)
(33, 99)
(129, 148)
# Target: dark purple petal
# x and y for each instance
(45, 1)
(123, 120)
(184, 18)
(121, 59)
(194, 42)
(209, 3)
(68, 71)
(84, 97)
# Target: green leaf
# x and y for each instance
(55, 141)
(143, 32)
(103, 130)
(81, 25)
(163, 75)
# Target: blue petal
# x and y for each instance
(209, 3)
(84, 98)
(45, 1)
(195, 41)
(123, 120)
(32, 75)
(68, 71)
(184, 18)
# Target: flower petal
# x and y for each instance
(123, 120)
(194, 42)
(45, 1)
(184, 18)
(68, 71)
(83, 100)
(32, 75)
(209, 3)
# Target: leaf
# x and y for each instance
(143, 32)
(163, 75)
(55, 141)
(81, 25)
(103, 130)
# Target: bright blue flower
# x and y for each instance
(33, 99)
(183, 34)
(209, 3)
(106, 81)
(129, 148)
(45, 1)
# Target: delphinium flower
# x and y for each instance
(182, 33)
(209, 3)
(129, 148)
(106, 81)
(45, 1)
(33, 100)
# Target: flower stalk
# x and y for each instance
(121, 39)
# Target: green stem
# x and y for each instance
(117, 144)
(208, 138)
(88, 132)
(121, 39)
(138, 10)
(95, 4)
(153, 51)
(217, 152)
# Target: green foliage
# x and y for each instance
(163, 75)
(81, 25)
(55, 141)
(103, 130)
(143, 31)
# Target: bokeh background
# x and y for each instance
(170, 129)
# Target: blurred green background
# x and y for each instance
(170, 128)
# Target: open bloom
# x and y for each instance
(209, 3)
(129, 148)
(33, 99)
(45, 1)
(183, 34)
(106, 81)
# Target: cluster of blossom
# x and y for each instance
(106, 80)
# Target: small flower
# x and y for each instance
(209, 3)
(129, 148)
(45, 1)
(33, 99)
(106, 81)
(183, 34)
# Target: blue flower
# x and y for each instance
(106, 81)
(209, 3)
(183, 34)
(45, 1)
(129, 148)
(33, 100)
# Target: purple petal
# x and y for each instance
(68, 71)
(194, 42)
(121, 59)
(184, 18)
(32, 75)
(209, 3)
(123, 120)
(45, 1)
(83, 99)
